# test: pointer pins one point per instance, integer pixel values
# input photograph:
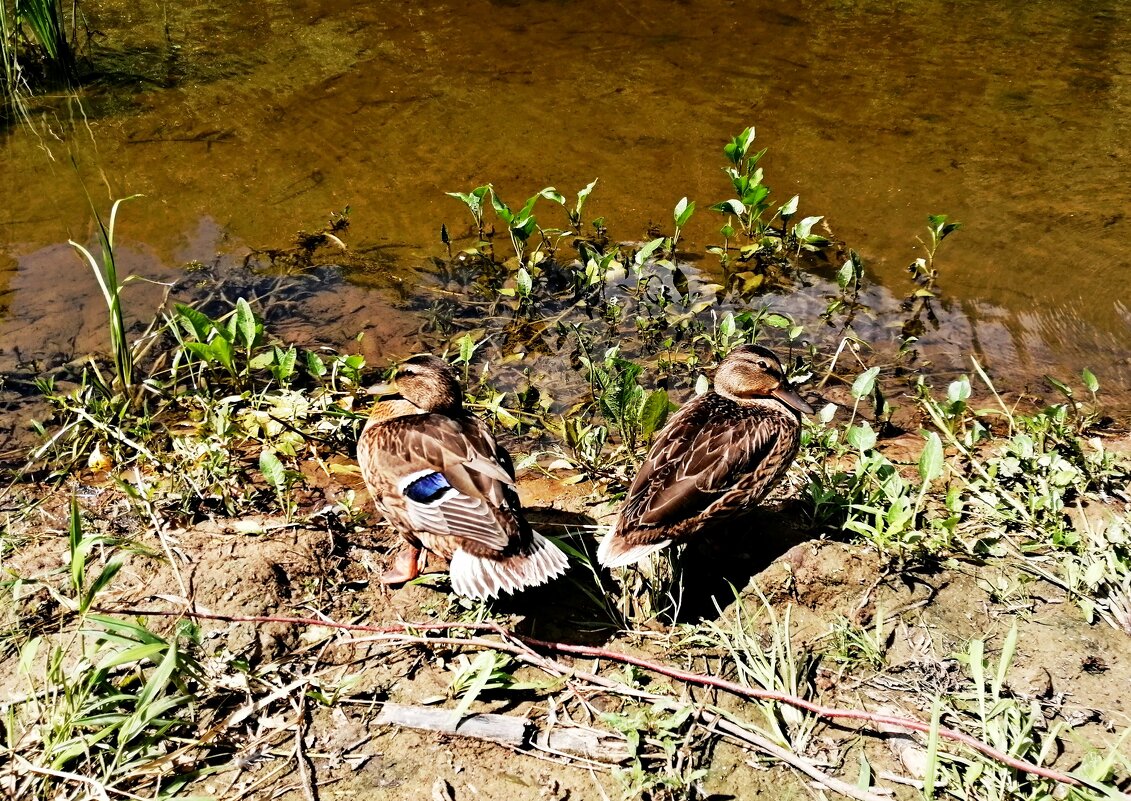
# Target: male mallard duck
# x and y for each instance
(715, 460)
(440, 478)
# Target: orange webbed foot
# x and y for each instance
(406, 566)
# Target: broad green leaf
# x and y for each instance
(553, 194)
(865, 382)
(931, 460)
(1090, 382)
(654, 413)
(466, 348)
(683, 212)
(272, 470)
(732, 206)
(958, 390)
(803, 230)
(220, 350)
(790, 207)
(501, 208)
(314, 364)
(861, 437)
(199, 324)
(245, 324)
(646, 251)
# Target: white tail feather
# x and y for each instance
(483, 577)
(612, 552)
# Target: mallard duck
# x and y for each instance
(714, 461)
(440, 478)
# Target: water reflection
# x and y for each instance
(1011, 117)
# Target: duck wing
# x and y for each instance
(444, 477)
(710, 449)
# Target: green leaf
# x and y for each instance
(1090, 382)
(129, 656)
(959, 390)
(861, 437)
(1060, 386)
(501, 208)
(646, 252)
(803, 230)
(246, 324)
(78, 553)
(100, 583)
(284, 362)
(732, 206)
(467, 348)
(314, 364)
(220, 350)
(553, 194)
(931, 460)
(789, 208)
(484, 665)
(655, 412)
(523, 282)
(199, 324)
(865, 382)
(683, 212)
(273, 470)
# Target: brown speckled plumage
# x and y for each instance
(439, 477)
(716, 459)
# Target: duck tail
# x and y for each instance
(482, 577)
(615, 551)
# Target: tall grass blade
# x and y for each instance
(106, 273)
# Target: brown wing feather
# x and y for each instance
(463, 450)
(703, 454)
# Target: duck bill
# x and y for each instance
(383, 391)
(790, 398)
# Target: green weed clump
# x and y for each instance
(207, 413)
(38, 39)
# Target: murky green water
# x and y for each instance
(242, 123)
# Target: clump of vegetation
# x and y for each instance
(207, 414)
(38, 43)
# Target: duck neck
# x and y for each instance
(769, 404)
(392, 408)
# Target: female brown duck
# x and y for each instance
(440, 478)
(715, 460)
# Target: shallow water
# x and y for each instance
(242, 123)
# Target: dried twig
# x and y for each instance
(523, 646)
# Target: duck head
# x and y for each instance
(428, 383)
(750, 373)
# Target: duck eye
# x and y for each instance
(763, 364)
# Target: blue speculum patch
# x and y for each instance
(428, 489)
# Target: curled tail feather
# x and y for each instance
(483, 577)
(614, 551)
